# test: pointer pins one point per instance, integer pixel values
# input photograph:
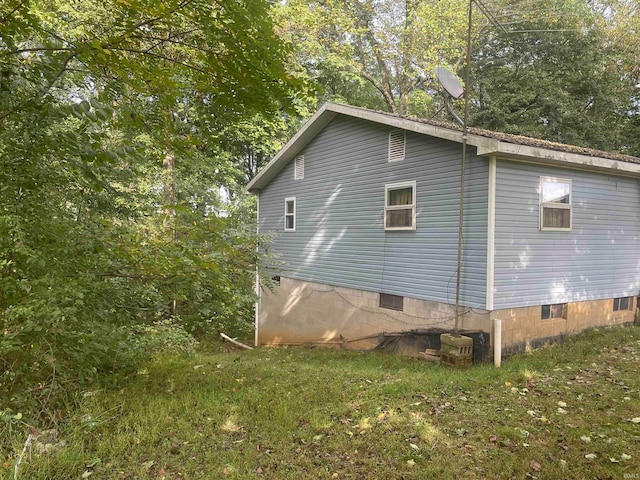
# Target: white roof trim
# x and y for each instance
(486, 146)
(512, 151)
(303, 136)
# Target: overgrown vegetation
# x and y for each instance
(114, 238)
(565, 411)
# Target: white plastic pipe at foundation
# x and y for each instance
(497, 342)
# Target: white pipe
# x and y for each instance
(235, 342)
(497, 342)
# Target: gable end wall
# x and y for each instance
(340, 238)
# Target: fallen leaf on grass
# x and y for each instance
(493, 439)
(584, 438)
(562, 411)
(590, 456)
(411, 463)
(562, 404)
(635, 420)
(535, 466)
(86, 474)
(624, 456)
(613, 460)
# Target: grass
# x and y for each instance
(563, 411)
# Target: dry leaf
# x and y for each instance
(493, 439)
(590, 456)
(535, 466)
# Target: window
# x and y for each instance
(392, 302)
(290, 214)
(400, 206)
(298, 171)
(555, 204)
(622, 303)
(396, 145)
(556, 310)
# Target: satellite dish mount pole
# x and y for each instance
(462, 169)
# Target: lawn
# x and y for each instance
(564, 411)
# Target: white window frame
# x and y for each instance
(286, 214)
(387, 208)
(566, 206)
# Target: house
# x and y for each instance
(364, 210)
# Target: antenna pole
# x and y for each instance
(462, 169)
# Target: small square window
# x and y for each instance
(555, 310)
(392, 302)
(622, 303)
(290, 214)
(555, 204)
(400, 206)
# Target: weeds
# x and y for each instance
(564, 411)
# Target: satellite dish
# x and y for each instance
(453, 87)
(450, 82)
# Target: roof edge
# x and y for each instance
(512, 151)
(303, 136)
(486, 145)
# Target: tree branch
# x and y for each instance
(10, 14)
(162, 57)
(38, 49)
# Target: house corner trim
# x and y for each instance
(491, 232)
(257, 305)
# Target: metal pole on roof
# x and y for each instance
(462, 169)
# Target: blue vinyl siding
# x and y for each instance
(599, 258)
(340, 238)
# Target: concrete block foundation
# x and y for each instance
(299, 312)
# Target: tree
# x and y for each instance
(377, 53)
(553, 77)
(94, 98)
